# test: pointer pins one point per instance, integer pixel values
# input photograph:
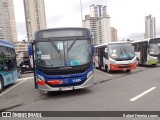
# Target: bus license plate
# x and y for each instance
(66, 88)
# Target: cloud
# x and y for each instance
(127, 16)
(53, 20)
(135, 36)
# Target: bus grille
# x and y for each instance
(66, 85)
(67, 72)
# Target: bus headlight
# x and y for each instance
(89, 74)
(112, 62)
(41, 77)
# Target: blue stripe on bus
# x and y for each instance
(68, 79)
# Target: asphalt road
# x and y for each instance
(118, 91)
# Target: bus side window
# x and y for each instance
(133, 47)
(96, 52)
(1, 61)
(137, 47)
(13, 59)
(105, 53)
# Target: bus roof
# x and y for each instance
(143, 40)
(62, 28)
(6, 43)
(117, 42)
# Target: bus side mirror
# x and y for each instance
(106, 50)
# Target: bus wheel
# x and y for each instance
(1, 84)
(129, 70)
(153, 65)
(108, 70)
(106, 67)
(99, 67)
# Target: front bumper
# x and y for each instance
(123, 66)
(152, 62)
(87, 83)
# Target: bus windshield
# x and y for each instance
(63, 53)
(154, 49)
(122, 51)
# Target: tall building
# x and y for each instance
(35, 16)
(7, 21)
(150, 27)
(114, 34)
(99, 23)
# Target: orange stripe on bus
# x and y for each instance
(54, 82)
(40, 82)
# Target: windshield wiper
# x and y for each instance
(120, 55)
(127, 53)
(72, 45)
(54, 45)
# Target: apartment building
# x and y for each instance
(99, 23)
(150, 27)
(114, 34)
(7, 21)
(35, 16)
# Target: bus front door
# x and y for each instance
(143, 54)
(100, 58)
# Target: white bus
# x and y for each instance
(147, 51)
(115, 56)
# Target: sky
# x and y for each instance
(127, 16)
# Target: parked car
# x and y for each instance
(23, 65)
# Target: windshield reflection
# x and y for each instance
(123, 51)
(63, 53)
(154, 49)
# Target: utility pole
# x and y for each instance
(81, 10)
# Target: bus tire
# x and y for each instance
(153, 65)
(99, 67)
(1, 84)
(108, 70)
(129, 70)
